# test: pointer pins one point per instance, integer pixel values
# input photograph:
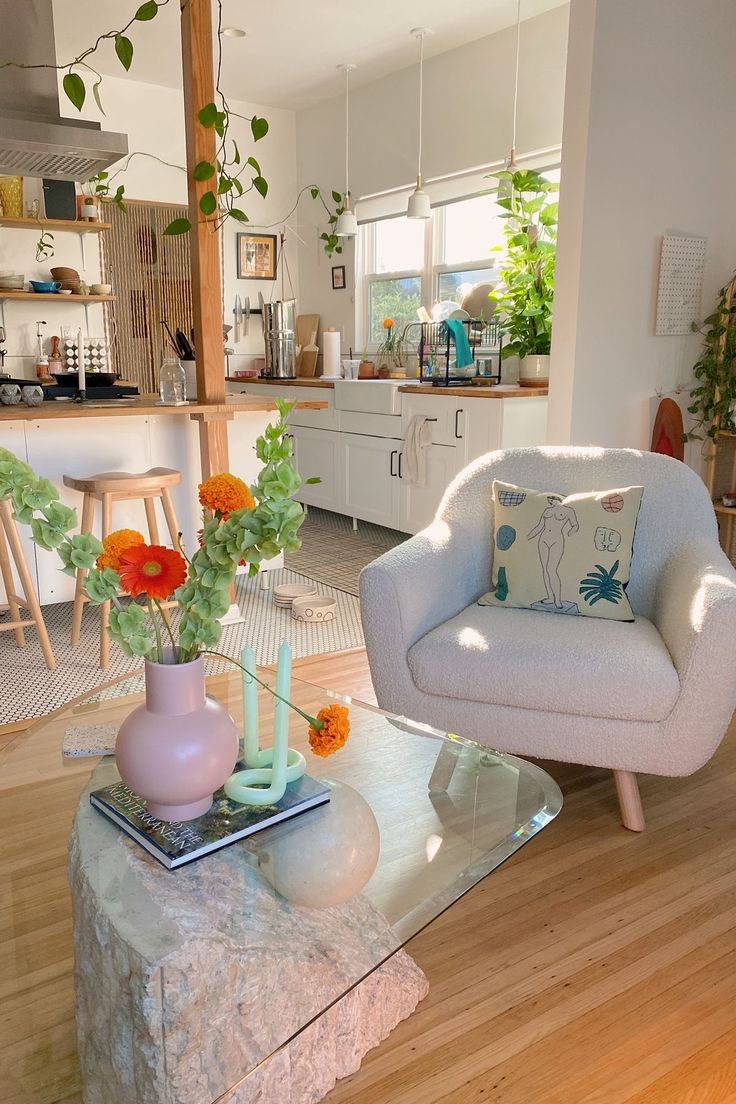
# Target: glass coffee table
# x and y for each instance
(279, 960)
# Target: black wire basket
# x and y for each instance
(436, 353)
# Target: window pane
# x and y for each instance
(396, 299)
(399, 245)
(453, 285)
(472, 229)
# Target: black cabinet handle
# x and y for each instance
(458, 412)
(400, 475)
(391, 463)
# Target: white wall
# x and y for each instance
(648, 148)
(468, 96)
(153, 118)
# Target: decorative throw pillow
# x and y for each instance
(563, 554)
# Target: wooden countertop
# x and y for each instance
(300, 381)
(140, 406)
(473, 392)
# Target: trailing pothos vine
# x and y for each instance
(715, 396)
(233, 174)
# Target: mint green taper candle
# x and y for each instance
(252, 754)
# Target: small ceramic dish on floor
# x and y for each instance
(314, 609)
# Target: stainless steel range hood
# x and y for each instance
(34, 139)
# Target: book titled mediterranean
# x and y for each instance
(175, 843)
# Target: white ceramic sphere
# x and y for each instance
(324, 857)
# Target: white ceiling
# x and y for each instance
(289, 56)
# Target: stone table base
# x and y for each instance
(188, 980)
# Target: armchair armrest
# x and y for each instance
(412, 589)
(695, 611)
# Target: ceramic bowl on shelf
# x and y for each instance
(65, 274)
(12, 283)
(45, 287)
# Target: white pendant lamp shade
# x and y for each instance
(347, 224)
(418, 206)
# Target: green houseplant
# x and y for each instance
(714, 397)
(524, 298)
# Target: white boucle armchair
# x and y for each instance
(653, 696)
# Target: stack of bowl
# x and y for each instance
(11, 282)
(68, 278)
(285, 594)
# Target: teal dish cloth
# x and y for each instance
(463, 355)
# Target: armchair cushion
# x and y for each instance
(563, 554)
(591, 668)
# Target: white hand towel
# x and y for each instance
(418, 440)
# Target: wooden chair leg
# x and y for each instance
(88, 518)
(9, 584)
(30, 600)
(170, 515)
(105, 607)
(629, 799)
(150, 507)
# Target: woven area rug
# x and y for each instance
(332, 553)
(30, 690)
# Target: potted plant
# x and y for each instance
(525, 295)
(391, 351)
(714, 398)
(180, 746)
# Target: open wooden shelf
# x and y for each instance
(56, 297)
(74, 227)
(721, 509)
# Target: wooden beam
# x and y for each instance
(199, 89)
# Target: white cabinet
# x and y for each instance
(419, 504)
(317, 452)
(372, 484)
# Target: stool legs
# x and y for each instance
(150, 508)
(105, 607)
(88, 517)
(29, 599)
(170, 515)
(9, 585)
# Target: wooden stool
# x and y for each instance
(10, 545)
(109, 487)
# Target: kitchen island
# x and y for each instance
(78, 439)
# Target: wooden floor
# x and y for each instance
(596, 966)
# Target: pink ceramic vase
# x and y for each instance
(180, 746)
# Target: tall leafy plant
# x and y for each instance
(714, 398)
(525, 295)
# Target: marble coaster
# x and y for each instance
(93, 739)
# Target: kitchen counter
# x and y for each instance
(475, 392)
(300, 381)
(141, 405)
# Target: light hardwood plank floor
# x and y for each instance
(595, 967)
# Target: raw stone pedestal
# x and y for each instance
(186, 980)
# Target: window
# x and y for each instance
(408, 263)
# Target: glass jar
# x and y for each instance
(172, 385)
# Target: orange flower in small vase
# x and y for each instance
(153, 571)
(333, 731)
(223, 494)
(115, 544)
(388, 323)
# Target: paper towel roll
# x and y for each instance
(331, 353)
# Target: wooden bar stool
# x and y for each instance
(107, 488)
(10, 546)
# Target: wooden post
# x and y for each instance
(199, 89)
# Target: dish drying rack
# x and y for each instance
(437, 349)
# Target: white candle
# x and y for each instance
(82, 384)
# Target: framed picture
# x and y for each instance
(257, 256)
(338, 277)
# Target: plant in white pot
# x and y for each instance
(525, 295)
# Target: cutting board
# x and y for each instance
(668, 430)
(307, 328)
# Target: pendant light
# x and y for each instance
(504, 186)
(418, 206)
(347, 224)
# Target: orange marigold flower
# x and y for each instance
(224, 494)
(151, 570)
(333, 731)
(388, 323)
(114, 544)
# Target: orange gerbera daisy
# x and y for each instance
(151, 570)
(224, 494)
(333, 731)
(114, 544)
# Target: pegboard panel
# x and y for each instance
(681, 266)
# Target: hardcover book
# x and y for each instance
(175, 844)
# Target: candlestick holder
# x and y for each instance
(269, 770)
